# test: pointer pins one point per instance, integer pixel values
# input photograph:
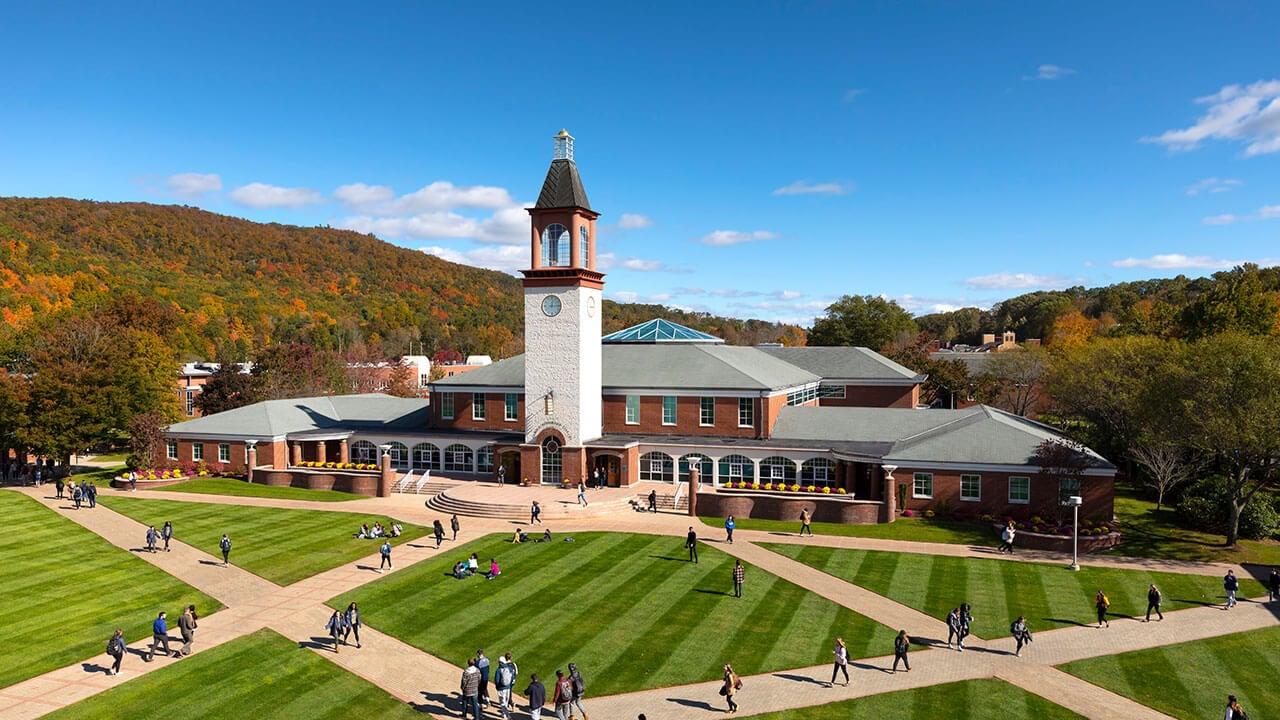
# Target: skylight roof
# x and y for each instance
(660, 331)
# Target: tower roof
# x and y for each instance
(660, 331)
(563, 187)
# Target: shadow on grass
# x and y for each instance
(712, 592)
(799, 678)
(668, 557)
(693, 704)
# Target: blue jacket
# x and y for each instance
(160, 627)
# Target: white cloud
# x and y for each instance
(1050, 72)
(1176, 261)
(689, 291)
(504, 258)
(1268, 212)
(625, 296)
(509, 226)
(437, 197)
(1018, 281)
(632, 221)
(853, 93)
(190, 185)
(804, 187)
(609, 261)
(1226, 219)
(262, 195)
(723, 238)
(787, 294)
(359, 195)
(1213, 185)
(1248, 114)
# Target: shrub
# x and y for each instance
(1206, 505)
(1260, 519)
(908, 513)
(929, 513)
(842, 491)
(826, 491)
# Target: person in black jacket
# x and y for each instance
(1153, 603)
(691, 542)
(537, 695)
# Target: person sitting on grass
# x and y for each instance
(396, 530)
(519, 536)
(363, 532)
(460, 570)
(494, 570)
(546, 535)
(377, 530)
(473, 564)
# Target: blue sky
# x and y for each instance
(749, 159)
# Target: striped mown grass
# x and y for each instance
(64, 590)
(999, 590)
(1192, 680)
(262, 675)
(970, 700)
(283, 546)
(231, 486)
(628, 609)
(914, 529)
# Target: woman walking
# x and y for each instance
(1101, 602)
(731, 686)
(351, 619)
(116, 649)
(842, 662)
(336, 626)
(900, 646)
(439, 531)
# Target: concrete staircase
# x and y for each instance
(516, 508)
(664, 502)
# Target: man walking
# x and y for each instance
(455, 526)
(691, 542)
(535, 514)
(469, 688)
(953, 626)
(160, 636)
(116, 649)
(152, 537)
(91, 491)
(59, 485)
(966, 619)
(76, 495)
(225, 545)
(739, 574)
(187, 626)
(729, 525)
(1153, 603)
(1231, 585)
(1006, 537)
(385, 550)
(804, 522)
(579, 688)
(503, 679)
(563, 696)
(482, 664)
(166, 534)
(1274, 584)
(537, 694)
(653, 501)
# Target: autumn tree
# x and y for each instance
(13, 413)
(945, 379)
(1017, 379)
(298, 370)
(146, 433)
(862, 321)
(227, 388)
(1237, 302)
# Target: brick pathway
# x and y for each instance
(429, 683)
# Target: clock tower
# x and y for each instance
(563, 296)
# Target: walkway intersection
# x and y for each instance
(429, 683)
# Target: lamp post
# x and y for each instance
(1075, 501)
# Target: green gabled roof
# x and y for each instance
(277, 418)
(845, 363)
(660, 331)
(563, 187)
(690, 367)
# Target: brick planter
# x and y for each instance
(356, 482)
(787, 506)
(1062, 543)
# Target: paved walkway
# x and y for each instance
(429, 683)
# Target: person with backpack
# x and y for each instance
(1154, 598)
(1231, 585)
(116, 649)
(385, 551)
(1006, 537)
(91, 494)
(537, 694)
(966, 620)
(732, 684)
(579, 688)
(1101, 602)
(1021, 633)
(438, 529)
(563, 695)
(482, 664)
(503, 679)
(901, 644)
(804, 522)
(76, 496)
(225, 545)
(166, 534)
(515, 673)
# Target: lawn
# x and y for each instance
(1000, 590)
(65, 590)
(230, 486)
(1147, 532)
(628, 609)
(262, 675)
(970, 700)
(914, 529)
(1192, 680)
(283, 546)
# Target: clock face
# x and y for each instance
(551, 306)
(591, 307)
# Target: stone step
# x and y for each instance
(445, 503)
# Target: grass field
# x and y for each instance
(230, 486)
(915, 529)
(1147, 532)
(1192, 680)
(628, 609)
(971, 700)
(283, 546)
(999, 590)
(262, 675)
(65, 590)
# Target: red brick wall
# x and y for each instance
(211, 451)
(888, 396)
(1097, 493)
(495, 412)
(355, 483)
(772, 507)
(688, 417)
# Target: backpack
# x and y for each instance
(504, 678)
(1106, 603)
(566, 690)
(578, 686)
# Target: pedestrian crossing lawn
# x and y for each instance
(1192, 679)
(988, 699)
(281, 545)
(261, 675)
(1050, 596)
(628, 609)
(64, 591)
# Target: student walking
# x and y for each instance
(91, 493)
(1006, 537)
(804, 522)
(160, 636)
(953, 626)
(1231, 585)
(152, 538)
(351, 620)
(336, 627)
(691, 542)
(579, 688)
(116, 649)
(1101, 603)
(739, 574)
(653, 501)
(225, 545)
(841, 664)
(966, 620)
(438, 528)
(582, 493)
(503, 678)
(187, 626)
(482, 664)
(385, 551)
(455, 525)
(901, 644)
(1021, 633)
(729, 525)
(563, 696)
(1273, 583)
(59, 485)
(537, 694)
(166, 534)
(469, 688)
(1153, 603)
(732, 684)
(535, 514)
(77, 496)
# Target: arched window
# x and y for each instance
(458, 458)
(583, 244)
(736, 468)
(426, 457)
(552, 463)
(484, 459)
(817, 471)
(363, 451)
(777, 469)
(656, 466)
(399, 456)
(705, 468)
(555, 246)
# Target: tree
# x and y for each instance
(1063, 462)
(862, 321)
(1237, 302)
(146, 432)
(1167, 465)
(946, 378)
(13, 413)
(298, 370)
(227, 388)
(1017, 377)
